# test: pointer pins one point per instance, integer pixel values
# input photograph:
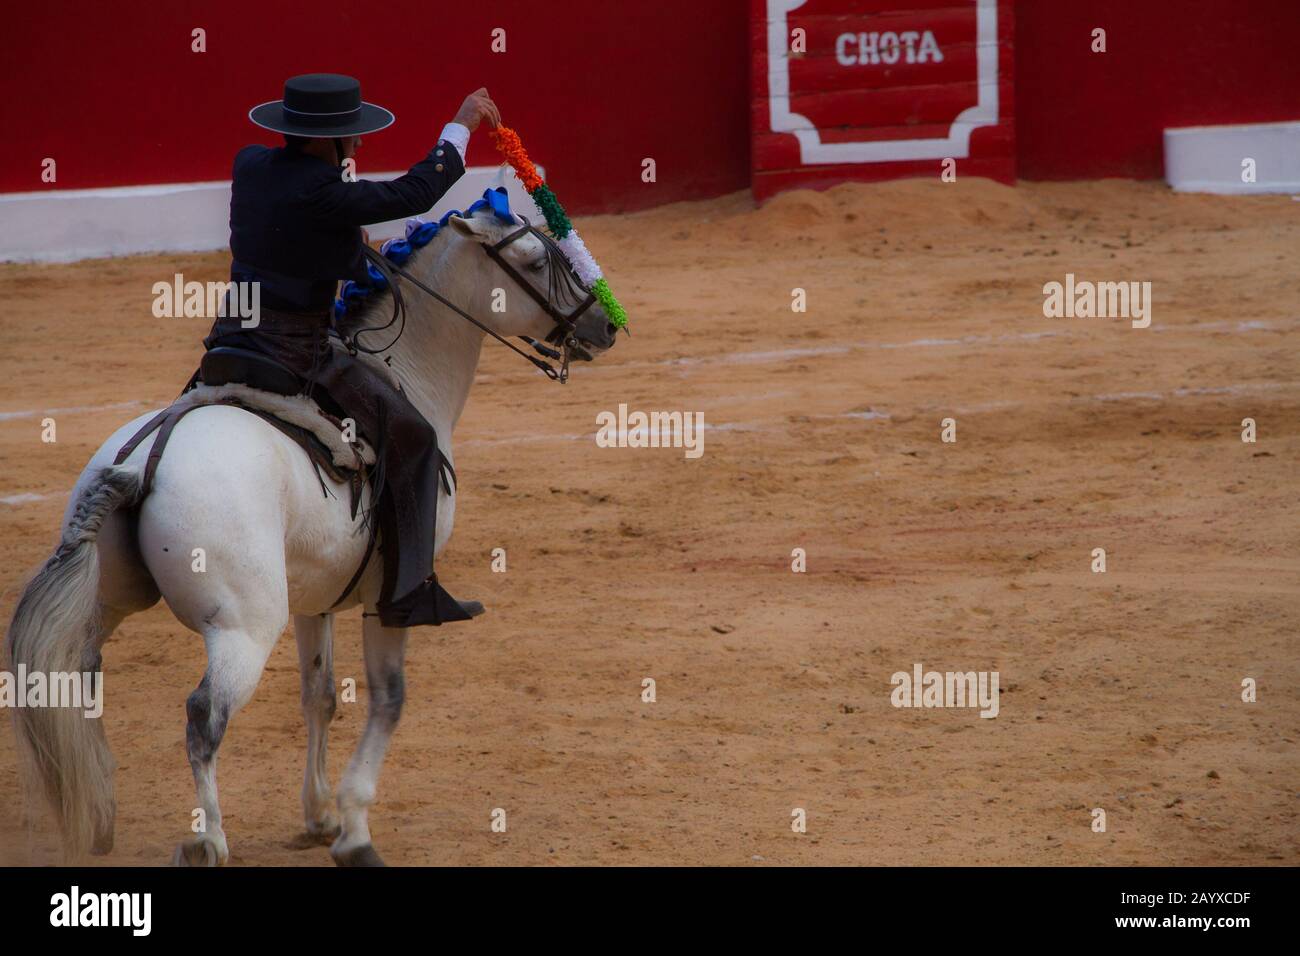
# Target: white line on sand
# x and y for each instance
(749, 358)
(21, 499)
(74, 410)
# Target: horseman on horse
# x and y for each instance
(296, 221)
(262, 463)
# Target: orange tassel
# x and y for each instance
(507, 141)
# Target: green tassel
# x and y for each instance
(556, 218)
(613, 309)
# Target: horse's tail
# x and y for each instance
(55, 631)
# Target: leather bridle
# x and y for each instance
(564, 289)
(563, 283)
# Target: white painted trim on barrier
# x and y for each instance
(63, 225)
(812, 151)
(1208, 159)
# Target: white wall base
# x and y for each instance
(1208, 159)
(63, 225)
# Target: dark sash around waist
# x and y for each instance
(281, 322)
(283, 292)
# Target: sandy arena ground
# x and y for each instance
(1120, 690)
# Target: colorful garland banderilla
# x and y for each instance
(566, 237)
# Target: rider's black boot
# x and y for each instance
(427, 604)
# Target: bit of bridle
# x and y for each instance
(564, 289)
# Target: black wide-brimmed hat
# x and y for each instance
(321, 104)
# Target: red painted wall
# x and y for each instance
(116, 97)
(593, 86)
(1083, 115)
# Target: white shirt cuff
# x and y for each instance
(458, 135)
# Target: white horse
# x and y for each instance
(237, 487)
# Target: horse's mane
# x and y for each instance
(377, 308)
(372, 308)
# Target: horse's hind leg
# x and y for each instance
(315, 636)
(235, 662)
(385, 649)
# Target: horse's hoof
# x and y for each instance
(318, 833)
(197, 853)
(324, 831)
(363, 855)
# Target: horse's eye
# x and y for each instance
(538, 265)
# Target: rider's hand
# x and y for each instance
(478, 106)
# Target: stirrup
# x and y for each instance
(428, 604)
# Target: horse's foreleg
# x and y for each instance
(315, 636)
(235, 662)
(385, 649)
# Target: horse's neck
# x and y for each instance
(437, 355)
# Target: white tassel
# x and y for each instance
(575, 250)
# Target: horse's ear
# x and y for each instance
(472, 226)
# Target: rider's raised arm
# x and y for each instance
(340, 203)
(335, 201)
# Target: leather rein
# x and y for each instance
(565, 331)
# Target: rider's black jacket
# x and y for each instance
(295, 224)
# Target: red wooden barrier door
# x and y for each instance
(877, 89)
